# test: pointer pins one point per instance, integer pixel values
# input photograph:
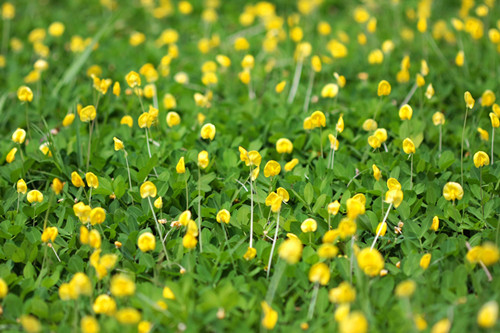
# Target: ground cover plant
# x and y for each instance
(240, 166)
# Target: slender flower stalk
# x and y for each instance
(52, 247)
(199, 209)
(274, 245)
(381, 226)
(312, 304)
(309, 91)
(462, 150)
(158, 228)
(251, 208)
(296, 80)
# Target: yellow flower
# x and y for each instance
(333, 207)
(405, 289)
(168, 293)
(319, 273)
(347, 228)
(334, 143)
(116, 89)
(483, 134)
(318, 119)
(146, 242)
(81, 283)
(11, 155)
(377, 174)
(488, 98)
(283, 146)
(344, 293)
(408, 146)
(290, 165)
(370, 261)
(274, 200)
(355, 207)
(280, 87)
(488, 315)
(34, 196)
(128, 316)
(145, 120)
(122, 285)
(127, 120)
(133, 79)
(481, 159)
(340, 124)
(19, 136)
(309, 225)
(82, 211)
(405, 112)
(104, 304)
(425, 260)
(495, 122)
(374, 142)
(84, 235)
(250, 253)
(208, 131)
(469, 101)
(327, 251)
(420, 80)
(148, 189)
(8, 11)
(180, 167)
(67, 292)
(118, 144)
(68, 119)
(453, 191)
(24, 94)
(30, 324)
(442, 326)
(94, 239)
(270, 316)
(438, 118)
(393, 184)
(145, 326)
(92, 180)
(329, 91)
(158, 203)
(381, 229)
(21, 186)
(308, 123)
(89, 324)
(331, 235)
(173, 119)
(189, 241)
(272, 169)
(435, 223)
(250, 158)
(420, 322)
(290, 250)
(223, 216)
(460, 58)
(223, 60)
(381, 134)
(341, 312)
(429, 92)
(384, 88)
(394, 197)
(50, 233)
(354, 322)
(203, 159)
(88, 113)
(97, 216)
(77, 180)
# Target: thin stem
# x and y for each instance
(321, 140)
(18, 198)
(199, 209)
(411, 172)
(274, 245)
(224, 231)
(52, 247)
(309, 91)
(312, 304)
(381, 226)
(158, 228)
(273, 285)
(187, 192)
(149, 150)
(296, 79)
(329, 218)
(90, 197)
(462, 149)
(91, 127)
(492, 143)
(251, 208)
(128, 172)
(440, 139)
(155, 97)
(481, 189)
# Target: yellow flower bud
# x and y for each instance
(438, 118)
(208, 131)
(488, 98)
(425, 260)
(21, 186)
(309, 225)
(283, 146)
(370, 261)
(92, 180)
(95, 239)
(89, 324)
(127, 120)
(180, 167)
(19, 136)
(376, 172)
(173, 119)
(330, 90)
(24, 94)
(272, 169)
(488, 315)
(270, 316)
(189, 241)
(280, 87)
(384, 88)
(50, 233)
(290, 250)
(122, 285)
(319, 273)
(77, 180)
(405, 289)
(405, 112)
(290, 165)
(133, 79)
(250, 253)
(68, 119)
(97, 216)
(118, 144)
(495, 122)
(469, 101)
(435, 223)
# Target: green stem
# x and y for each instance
(381, 226)
(199, 209)
(91, 127)
(158, 228)
(462, 149)
(274, 245)
(312, 304)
